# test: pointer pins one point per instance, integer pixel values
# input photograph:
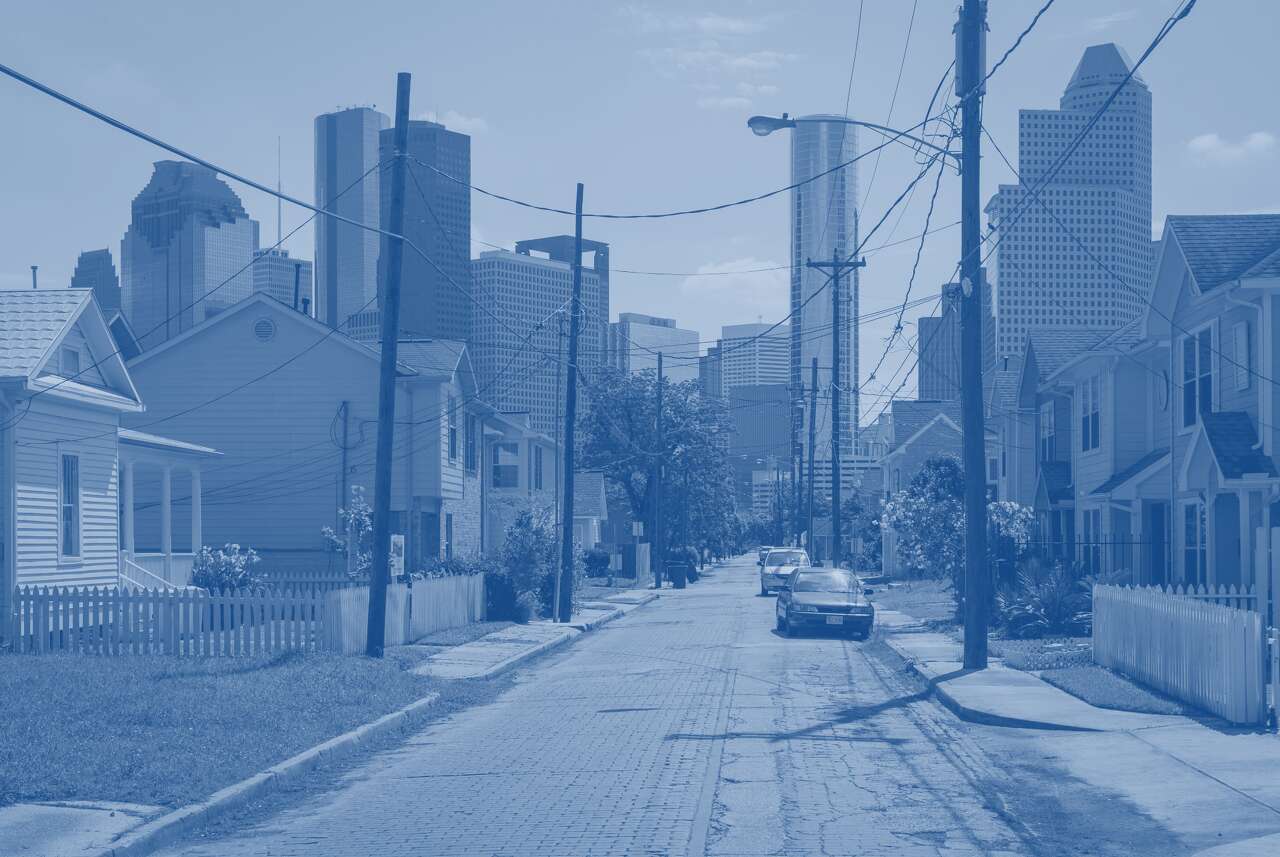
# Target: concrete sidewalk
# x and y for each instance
(1206, 784)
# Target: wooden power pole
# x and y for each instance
(970, 75)
(564, 592)
(656, 556)
(381, 567)
(813, 434)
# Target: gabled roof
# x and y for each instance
(32, 322)
(1233, 441)
(431, 358)
(1219, 248)
(909, 417)
(1137, 468)
(1003, 397)
(1057, 345)
(588, 495)
(1119, 341)
(1055, 476)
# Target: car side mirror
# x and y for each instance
(868, 591)
(817, 563)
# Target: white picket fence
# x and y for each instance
(1206, 654)
(195, 622)
(412, 612)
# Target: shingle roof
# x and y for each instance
(1122, 476)
(1057, 345)
(30, 322)
(909, 417)
(588, 495)
(1056, 476)
(1223, 247)
(1232, 438)
(431, 358)
(1004, 391)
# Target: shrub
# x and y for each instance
(596, 562)
(230, 567)
(456, 567)
(1053, 604)
(356, 541)
(525, 566)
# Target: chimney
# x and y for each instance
(33, 276)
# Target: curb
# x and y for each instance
(618, 612)
(515, 660)
(173, 825)
(976, 715)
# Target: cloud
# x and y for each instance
(710, 57)
(751, 90)
(740, 285)
(460, 122)
(1213, 147)
(1106, 22)
(647, 20)
(724, 102)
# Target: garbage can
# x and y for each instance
(677, 574)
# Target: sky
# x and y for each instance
(645, 103)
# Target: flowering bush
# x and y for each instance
(355, 543)
(230, 567)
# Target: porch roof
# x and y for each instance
(1055, 476)
(143, 441)
(1120, 477)
(1233, 440)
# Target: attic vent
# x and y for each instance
(264, 329)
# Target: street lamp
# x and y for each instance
(763, 126)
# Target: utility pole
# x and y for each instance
(837, 334)
(970, 71)
(564, 589)
(655, 538)
(376, 632)
(813, 434)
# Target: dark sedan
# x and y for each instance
(827, 599)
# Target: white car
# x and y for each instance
(777, 566)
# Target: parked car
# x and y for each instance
(828, 599)
(777, 566)
(764, 552)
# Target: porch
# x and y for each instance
(158, 463)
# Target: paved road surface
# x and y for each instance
(690, 727)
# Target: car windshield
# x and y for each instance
(828, 581)
(776, 558)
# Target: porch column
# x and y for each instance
(166, 519)
(126, 500)
(197, 529)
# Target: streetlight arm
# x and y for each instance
(764, 125)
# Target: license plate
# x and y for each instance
(835, 620)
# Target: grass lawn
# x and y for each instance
(462, 634)
(163, 730)
(1101, 687)
(929, 600)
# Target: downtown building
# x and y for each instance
(824, 222)
(938, 346)
(1088, 214)
(520, 346)
(283, 278)
(186, 254)
(636, 339)
(346, 264)
(95, 270)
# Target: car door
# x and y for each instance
(784, 596)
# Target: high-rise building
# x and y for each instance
(95, 270)
(938, 344)
(435, 299)
(824, 222)
(1099, 197)
(636, 339)
(711, 373)
(186, 254)
(754, 354)
(520, 346)
(277, 275)
(346, 267)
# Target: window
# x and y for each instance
(1241, 354)
(1197, 376)
(453, 429)
(1195, 552)
(506, 465)
(537, 468)
(70, 506)
(1091, 539)
(1048, 433)
(70, 360)
(1088, 396)
(469, 441)
(448, 535)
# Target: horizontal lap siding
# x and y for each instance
(37, 474)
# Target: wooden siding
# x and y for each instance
(89, 373)
(89, 433)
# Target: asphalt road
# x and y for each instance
(691, 727)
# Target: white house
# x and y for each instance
(63, 391)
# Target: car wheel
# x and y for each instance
(780, 625)
(787, 630)
(764, 590)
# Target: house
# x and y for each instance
(64, 390)
(523, 473)
(590, 509)
(1214, 299)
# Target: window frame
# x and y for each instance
(1194, 383)
(64, 352)
(470, 459)
(1089, 407)
(1242, 354)
(453, 428)
(1199, 546)
(1048, 431)
(75, 507)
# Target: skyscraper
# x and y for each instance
(824, 221)
(752, 354)
(520, 346)
(186, 253)
(636, 339)
(435, 300)
(95, 270)
(1101, 194)
(346, 268)
(938, 344)
(274, 273)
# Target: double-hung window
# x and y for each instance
(469, 442)
(453, 429)
(69, 503)
(1048, 433)
(1197, 376)
(1195, 550)
(1241, 354)
(1089, 407)
(537, 468)
(506, 465)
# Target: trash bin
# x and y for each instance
(677, 573)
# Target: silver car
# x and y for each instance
(777, 565)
